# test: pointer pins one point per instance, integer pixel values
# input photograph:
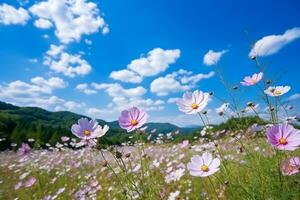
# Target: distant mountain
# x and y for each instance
(17, 124)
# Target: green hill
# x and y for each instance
(17, 124)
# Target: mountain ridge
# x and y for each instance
(20, 123)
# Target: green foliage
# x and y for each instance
(242, 123)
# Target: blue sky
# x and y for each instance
(92, 39)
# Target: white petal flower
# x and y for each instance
(203, 165)
(277, 91)
(192, 103)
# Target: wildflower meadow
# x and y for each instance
(80, 120)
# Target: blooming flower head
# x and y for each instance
(203, 165)
(277, 91)
(184, 144)
(88, 129)
(290, 166)
(30, 182)
(284, 137)
(24, 150)
(132, 119)
(252, 80)
(65, 138)
(192, 103)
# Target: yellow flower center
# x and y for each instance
(195, 106)
(87, 132)
(291, 168)
(282, 141)
(134, 122)
(277, 92)
(204, 168)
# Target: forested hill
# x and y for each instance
(17, 124)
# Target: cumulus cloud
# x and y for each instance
(162, 86)
(294, 97)
(65, 63)
(71, 19)
(180, 80)
(213, 57)
(173, 99)
(43, 23)
(122, 98)
(84, 88)
(271, 44)
(37, 92)
(10, 15)
(116, 90)
(156, 61)
(126, 76)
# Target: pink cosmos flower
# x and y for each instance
(252, 80)
(30, 182)
(24, 150)
(284, 137)
(88, 129)
(18, 185)
(290, 166)
(203, 165)
(132, 119)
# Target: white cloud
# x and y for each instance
(43, 23)
(126, 76)
(180, 80)
(271, 44)
(10, 15)
(65, 63)
(84, 88)
(294, 97)
(122, 98)
(116, 90)
(173, 100)
(196, 78)
(213, 57)
(162, 86)
(71, 18)
(55, 50)
(38, 92)
(156, 61)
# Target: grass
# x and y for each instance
(248, 173)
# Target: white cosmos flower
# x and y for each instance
(277, 90)
(203, 165)
(192, 103)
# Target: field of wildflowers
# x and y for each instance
(257, 162)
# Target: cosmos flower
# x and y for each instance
(284, 137)
(252, 80)
(184, 144)
(277, 90)
(30, 182)
(203, 165)
(132, 119)
(65, 138)
(18, 185)
(290, 166)
(24, 150)
(192, 103)
(88, 129)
